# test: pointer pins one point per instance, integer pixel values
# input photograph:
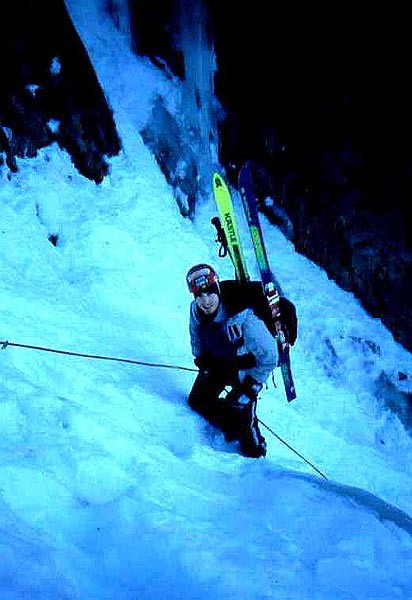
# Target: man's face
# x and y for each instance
(208, 303)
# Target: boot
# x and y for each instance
(242, 422)
(252, 442)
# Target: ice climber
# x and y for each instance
(231, 332)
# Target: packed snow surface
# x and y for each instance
(111, 488)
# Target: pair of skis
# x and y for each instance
(270, 284)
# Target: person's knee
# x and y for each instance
(195, 401)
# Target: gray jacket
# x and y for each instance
(225, 337)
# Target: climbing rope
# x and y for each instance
(291, 448)
(113, 358)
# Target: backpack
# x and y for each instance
(237, 296)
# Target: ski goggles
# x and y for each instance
(205, 284)
(212, 289)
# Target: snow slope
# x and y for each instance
(110, 486)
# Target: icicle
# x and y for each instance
(119, 12)
(199, 105)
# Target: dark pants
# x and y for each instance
(237, 421)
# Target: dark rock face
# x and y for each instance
(154, 28)
(178, 140)
(162, 135)
(49, 91)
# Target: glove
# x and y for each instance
(286, 321)
(245, 392)
(250, 387)
(203, 363)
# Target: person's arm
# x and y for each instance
(195, 340)
(259, 342)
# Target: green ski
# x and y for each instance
(229, 225)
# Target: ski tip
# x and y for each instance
(291, 396)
